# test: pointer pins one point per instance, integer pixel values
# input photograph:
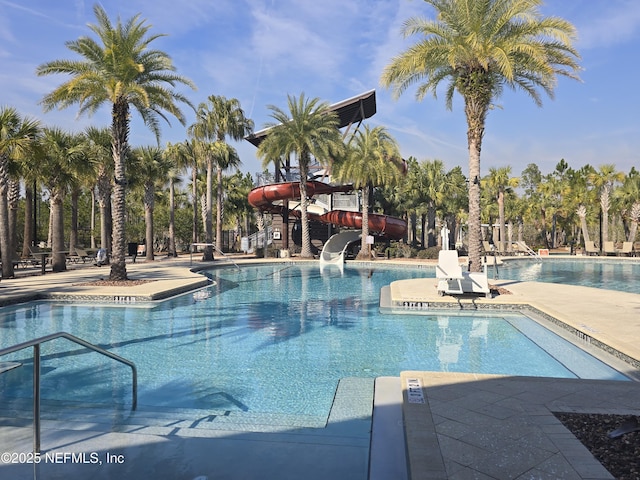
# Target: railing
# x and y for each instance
(225, 256)
(35, 343)
(259, 239)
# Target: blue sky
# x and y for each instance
(258, 51)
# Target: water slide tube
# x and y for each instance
(265, 198)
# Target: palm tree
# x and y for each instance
(123, 71)
(97, 148)
(603, 180)
(372, 159)
(83, 169)
(309, 129)
(501, 182)
(216, 120)
(59, 152)
(152, 168)
(176, 154)
(435, 190)
(17, 135)
(629, 196)
(479, 48)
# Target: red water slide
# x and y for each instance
(264, 197)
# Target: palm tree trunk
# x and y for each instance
(148, 220)
(58, 258)
(431, 225)
(104, 204)
(73, 236)
(93, 218)
(119, 130)
(172, 220)
(365, 248)
(503, 232)
(27, 240)
(605, 204)
(207, 256)
(306, 235)
(475, 111)
(474, 206)
(194, 194)
(5, 245)
(13, 196)
(219, 211)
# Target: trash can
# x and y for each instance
(132, 250)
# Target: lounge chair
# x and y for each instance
(18, 261)
(79, 255)
(449, 272)
(609, 248)
(590, 248)
(503, 248)
(627, 249)
(454, 281)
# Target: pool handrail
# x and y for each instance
(35, 343)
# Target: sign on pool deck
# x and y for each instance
(414, 390)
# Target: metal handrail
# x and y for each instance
(35, 343)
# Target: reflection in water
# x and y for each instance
(273, 338)
(448, 344)
(609, 274)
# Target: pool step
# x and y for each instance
(352, 402)
(161, 421)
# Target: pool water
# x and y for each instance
(271, 339)
(610, 274)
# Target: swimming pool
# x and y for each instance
(272, 339)
(609, 274)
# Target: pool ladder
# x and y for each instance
(35, 343)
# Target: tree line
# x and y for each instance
(475, 48)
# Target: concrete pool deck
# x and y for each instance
(468, 426)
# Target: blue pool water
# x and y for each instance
(271, 339)
(609, 274)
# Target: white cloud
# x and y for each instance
(606, 24)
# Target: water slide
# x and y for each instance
(334, 250)
(269, 197)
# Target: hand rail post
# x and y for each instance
(36, 398)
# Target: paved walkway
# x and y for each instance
(498, 427)
(469, 426)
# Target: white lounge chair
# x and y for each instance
(609, 248)
(627, 249)
(454, 281)
(590, 248)
(449, 272)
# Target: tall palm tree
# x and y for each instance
(372, 159)
(152, 168)
(193, 159)
(59, 152)
(216, 120)
(97, 148)
(83, 169)
(629, 196)
(501, 182)
(309, 129)
(604, 180)
(435, 190)
(17, 135)
(176, 154)
(122, 70)
(479, 47)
